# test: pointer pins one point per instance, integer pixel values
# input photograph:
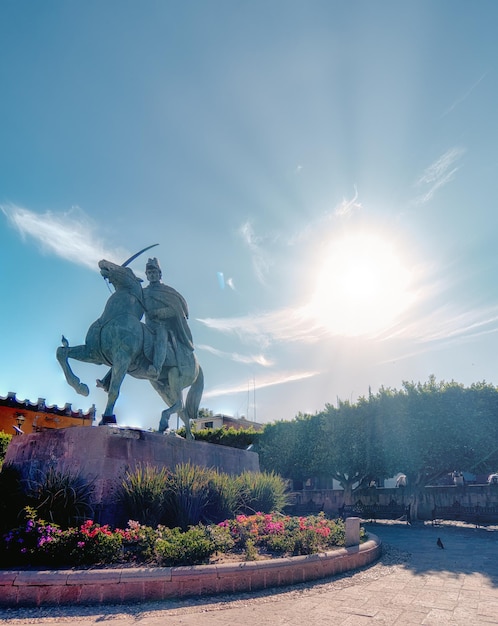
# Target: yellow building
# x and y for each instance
(22, 416)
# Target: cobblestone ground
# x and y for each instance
(415, 582)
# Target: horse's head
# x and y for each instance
(119, 276)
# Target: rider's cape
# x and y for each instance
(166, 296)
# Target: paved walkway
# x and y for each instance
(415, 582)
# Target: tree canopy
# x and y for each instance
(423, 430)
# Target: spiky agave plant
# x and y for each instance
(142, 494)
(224, 497)
(264, 492)
(187, 495)
(60, 496)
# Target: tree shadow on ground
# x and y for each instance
(466, 550)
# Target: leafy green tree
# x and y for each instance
(286, 447)
(446, 427)
(424, 430)
(351, 445)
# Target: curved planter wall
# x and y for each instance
(100, 586)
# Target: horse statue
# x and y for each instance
(120, 340)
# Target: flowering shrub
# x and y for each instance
(89, 544)
(26, 544)
(37, 542)
(284, 534)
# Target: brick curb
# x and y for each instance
(140, 584)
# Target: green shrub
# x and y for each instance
(262, 492)
(224, 499)
(234, 438)
(139, 542)
(142, 493)
(191, 494)
(4, 442)
(222, 540)
(187, 495)
(60, 496)
(174, 547)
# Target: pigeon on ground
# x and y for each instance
(440, 543)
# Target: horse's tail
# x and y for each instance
(194, 396)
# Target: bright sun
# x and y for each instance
(362, 286)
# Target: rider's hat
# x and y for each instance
(152, 264)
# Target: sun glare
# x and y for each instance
(362, 286)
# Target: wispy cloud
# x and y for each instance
(258, 359)
(280, 378)
(263, 329)
(346, 207)
(71, 235)
(260, 260)
(439, 173)
(444, 325)
(465, 95)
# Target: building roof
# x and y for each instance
(25, 405)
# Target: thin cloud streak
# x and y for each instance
(265, 328)
(258, 359)
(277, 379)
(346, 207)
(465, 95)
(444, 325)
(71, 236)
(439, 173)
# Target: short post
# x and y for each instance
(352, 525)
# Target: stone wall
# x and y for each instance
(330, 500)
(103, 454)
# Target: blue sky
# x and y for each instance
(320, 178)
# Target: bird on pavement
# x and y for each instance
(440, 543)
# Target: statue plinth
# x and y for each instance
(104, 454)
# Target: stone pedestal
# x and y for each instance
(352, 527)
(104, 454)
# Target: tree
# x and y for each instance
(424, 430)
(285, 447)
(352, 446)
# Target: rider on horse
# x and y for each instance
(166, 315)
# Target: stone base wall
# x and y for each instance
(104, 454)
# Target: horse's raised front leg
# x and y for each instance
(80, 353)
